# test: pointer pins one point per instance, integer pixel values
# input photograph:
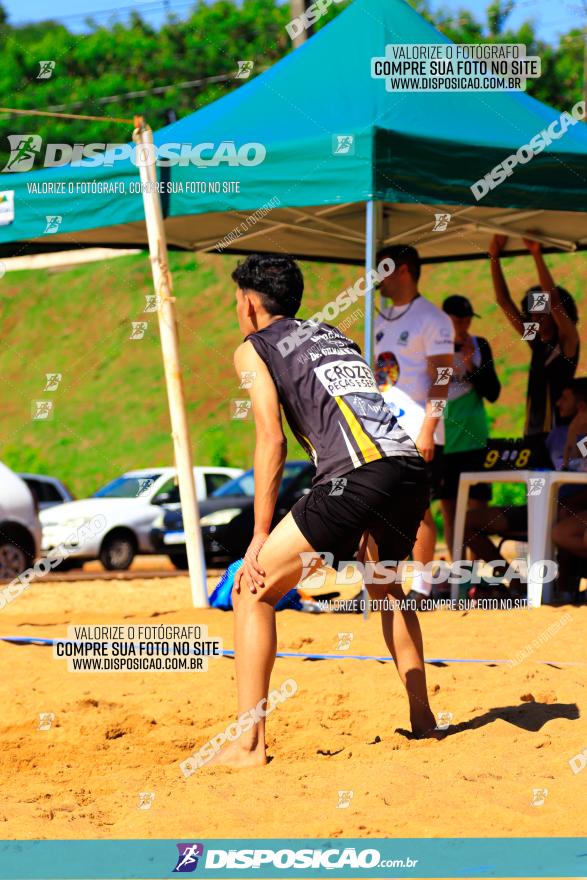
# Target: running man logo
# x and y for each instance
(443, 375)
(152, 302)
(24, 149)
(144, 486)
(46, 69)
(42, 410)
(138, 329)
(244, 69)
(338, 486)
(187, 860)
(343, 145)
(314, 568)
(344, 640)
(146, 798)
(536, 485)
(437, 408)
(443, 720)
(46, 719)
(344, 799)
(539, 795)
(247, 378)
(240, 409)
(539, 302)
(366, 407)
(360, 406)
(53, 223)
(530, 331)
(53, 380)
(441, 222)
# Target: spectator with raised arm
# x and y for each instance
(547, 320)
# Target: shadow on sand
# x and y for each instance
(527, 716)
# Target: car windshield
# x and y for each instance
(245, 485)
(128, 487)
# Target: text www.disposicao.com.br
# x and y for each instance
(135, 664)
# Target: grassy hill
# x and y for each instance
(110, 411)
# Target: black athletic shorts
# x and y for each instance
(453, 464)
(387, 497)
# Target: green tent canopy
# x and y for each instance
(416, 154)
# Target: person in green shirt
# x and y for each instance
(473, 381)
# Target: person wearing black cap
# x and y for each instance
(466, 428)
(547, 320)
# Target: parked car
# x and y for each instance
(129, 506)
(47, 491)
(20, 530)
(227, 518)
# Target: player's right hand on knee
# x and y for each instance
(251, 576)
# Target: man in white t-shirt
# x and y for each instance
(414, 351)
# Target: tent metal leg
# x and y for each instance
(372, 235)
(173, 375)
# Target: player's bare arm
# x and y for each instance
(436, 392)
(269, 458)
(567, 330)
(502, 293)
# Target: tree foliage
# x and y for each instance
(130, 55)
(561, 83)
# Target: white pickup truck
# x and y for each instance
(115, 523)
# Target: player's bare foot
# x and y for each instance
(432, 733)
(236, 755)
(424, 726)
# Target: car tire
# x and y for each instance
(13, 559)
(180, 561)
(118, 551)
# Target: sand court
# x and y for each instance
(84, 753)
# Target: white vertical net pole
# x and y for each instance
(143, 137)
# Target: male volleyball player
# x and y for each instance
(369, 477)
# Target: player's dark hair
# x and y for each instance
(568, 304)
(402, 255)
(277, 279)
(578, 387)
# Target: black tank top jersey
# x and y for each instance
(330, 399)
(550, 373)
